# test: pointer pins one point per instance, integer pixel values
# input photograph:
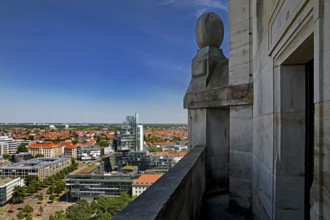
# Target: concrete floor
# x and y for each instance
(216, 207)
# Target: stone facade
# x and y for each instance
(264, 113)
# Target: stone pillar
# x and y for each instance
(208, 116)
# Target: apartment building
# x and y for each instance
(9, 145)
(70, 150)
(46, 149)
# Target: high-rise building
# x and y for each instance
(129, 135)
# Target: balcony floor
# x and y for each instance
(216, 207)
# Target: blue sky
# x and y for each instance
(98, 60)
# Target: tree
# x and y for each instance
(28, 217)
(21, 148)
(59, 187)
(153, 149)
(41, 210)
(50, 189)
(40, 197)
(27, 209)
(59, 215)
(20, 215)
(18, 194)
(103, 216)
(105, 206)
(79, 211)
(116, 204)
(6, 156)
(103, 143)
(31, 188)
(51, 197)
(39, 155)
(29, 179)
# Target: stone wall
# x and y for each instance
(274, 40)
(240, 159)
(320, 198)
(178, 194)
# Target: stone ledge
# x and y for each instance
(178, 194)
(220, 97)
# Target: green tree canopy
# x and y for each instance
(103, 143)
(6, 156)
(27, 209)
(39, 155)
(52, 197)
(18, 194)
(153, 149)
(20, 215)
(21, 148)
(79, 211)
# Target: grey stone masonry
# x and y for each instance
(209, 98)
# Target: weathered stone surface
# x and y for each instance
(176, 195)
(209, 30)
(220, 97)
(209, 69)
(217, 142)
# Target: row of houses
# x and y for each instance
(9, 146)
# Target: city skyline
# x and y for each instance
(98, 61)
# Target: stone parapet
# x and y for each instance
(178, 194)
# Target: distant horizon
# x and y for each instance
(64, 123)
(99, 60)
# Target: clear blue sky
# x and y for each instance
(98, 60)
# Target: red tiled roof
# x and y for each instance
(146, 179)
(43, 145)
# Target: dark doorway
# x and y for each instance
(309, 137)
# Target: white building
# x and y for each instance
(7, 186)
(9, 145)
(140, 137)
(142, 183)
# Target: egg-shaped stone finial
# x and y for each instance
(209, 30)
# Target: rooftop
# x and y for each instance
(35, 163)
(146, 179)
(43, 145)
(4, 181)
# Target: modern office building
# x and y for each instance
(140, 139)
(40, 167)
(7, 186)
(90, 152)
(144, 161)
(129, 136)
(91, 182)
